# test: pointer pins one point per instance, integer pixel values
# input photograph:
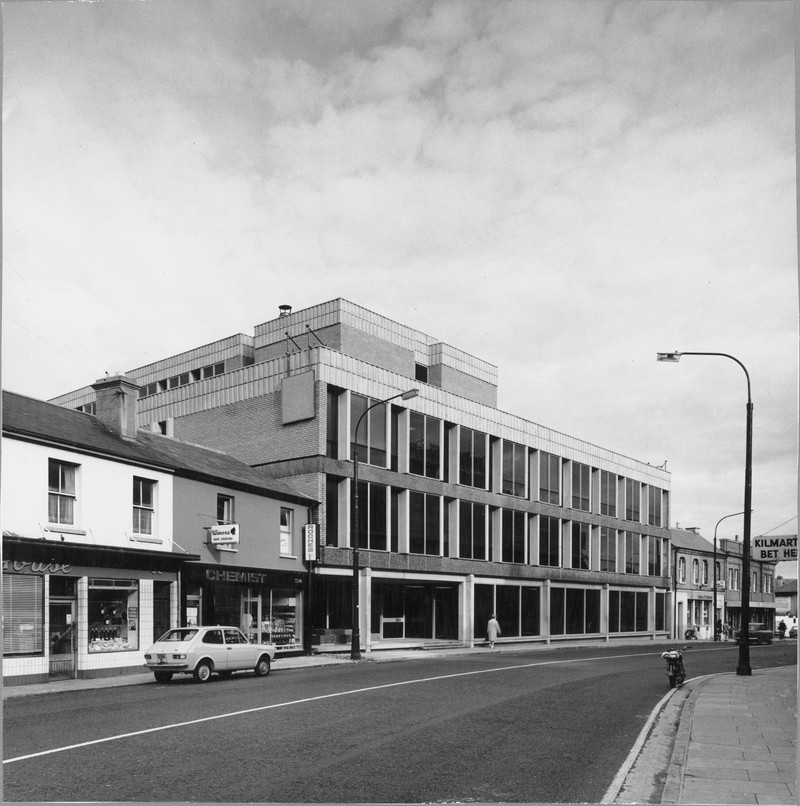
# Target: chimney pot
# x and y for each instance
(116, 404)
(285, 310)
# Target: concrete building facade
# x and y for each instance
(465, 510)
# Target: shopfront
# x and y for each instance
(73, 611)
(266, 605)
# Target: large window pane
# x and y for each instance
(531, 613)
(548, 541)
(549, 478)
(580, 486)
(23, 614)
(508, 609)
(113, 615)
(557, 604)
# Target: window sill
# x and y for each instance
(288, 556)
(136, 538)
(64, 529)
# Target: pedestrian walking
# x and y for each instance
(492, 630)
(718, 630)
(782, 629)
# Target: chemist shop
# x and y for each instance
(76, 611)
(265, 604)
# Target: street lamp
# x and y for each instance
(724, 517)
(355, 643)
(743, 669)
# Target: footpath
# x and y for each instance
(721, 739)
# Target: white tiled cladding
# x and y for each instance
(222, 350)
(441, 353)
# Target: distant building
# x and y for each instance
(786, 597)
(109, 540)
(465, 510)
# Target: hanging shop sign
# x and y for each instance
(310, 532)
(777, 547)
(225, 534)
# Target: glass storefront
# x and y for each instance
(113, 615)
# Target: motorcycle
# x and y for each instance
(675, 670)
(690, 634)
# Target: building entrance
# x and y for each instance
(62, 638)
(414, 611)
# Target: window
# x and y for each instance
(632, 541)
(61, 492)
(627, 611)
(371, 436)
(113, 615)
(143, 506)
(654, 506)
(580, 486)
(424, 445)
(632, 502)
(472, 459)
(580, 545)
(661, 611)
(513, 536)
(225, 509)
(682, 569)
(421, 373)
(472, 531)
(704, 578)
(372, 523)
(608, 493)
(514, 461)
(695, 572)
(286, 532)
(574, 611)
(755, 582)
(23, 614)
(734, 579)
(332, 424)
(331, 511)
(767, 583)
(424, 523)
(549, 529)
(608, 549)
(654, 556)
(549, 478)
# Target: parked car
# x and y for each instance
(757, 633)
(793, 632)
(203, 651)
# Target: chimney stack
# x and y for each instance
(116, 404)
(285, 310)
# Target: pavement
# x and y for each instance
(720, 739)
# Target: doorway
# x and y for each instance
(62, 639)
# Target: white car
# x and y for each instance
(203, 651)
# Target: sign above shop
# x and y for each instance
(777, 547)
(225, 533)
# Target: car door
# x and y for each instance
(239, 653)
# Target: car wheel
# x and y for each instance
(202, 672)
(162, 677)
(263, 666)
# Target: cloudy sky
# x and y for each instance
(559, 188)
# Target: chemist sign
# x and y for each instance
(774, 547)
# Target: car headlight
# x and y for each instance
(179, 657)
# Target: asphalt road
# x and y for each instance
(539, 725)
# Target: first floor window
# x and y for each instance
(372, 516)
(580, 545)
(61, 492)
(654, 556)
(472, 531)
(632, 541)
(224, 509)
(23, 614)
(682, 569)
(608, 549)
(424, 523)
(143, 506)
(331, 511)
(113, 615)
(286, 532)
(513, 536)
(548, 541)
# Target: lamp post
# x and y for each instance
(355, 643)
(724, 517)
(743, 669)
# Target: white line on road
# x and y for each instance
(233, 714)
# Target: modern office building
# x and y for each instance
(464, 510)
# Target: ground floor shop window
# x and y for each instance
(23, 614)
(517, 608)
(411, 611)
(661, 611)
(627, 611)
(113, 615)
(574, 611)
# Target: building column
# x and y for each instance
(544, 616)
(604, 596)
(365, 609)
(466, 622)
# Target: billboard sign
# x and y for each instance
(775, 547)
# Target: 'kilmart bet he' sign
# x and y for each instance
(776, 547)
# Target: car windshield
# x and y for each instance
(178, 635)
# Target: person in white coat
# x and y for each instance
(492, 630)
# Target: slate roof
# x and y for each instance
(684, 539)
(788, 588)
(28, 418)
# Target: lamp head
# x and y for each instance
(409, 394)
(669, 357)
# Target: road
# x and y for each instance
(534, 725)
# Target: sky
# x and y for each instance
(559, 188)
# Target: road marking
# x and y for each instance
(233, 714)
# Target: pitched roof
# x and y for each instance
(28, 418)
(684, 539)
(788, 587)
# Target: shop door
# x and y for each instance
(392, 617)
(62, 637)
(252, 622)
